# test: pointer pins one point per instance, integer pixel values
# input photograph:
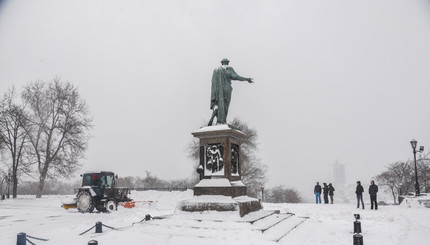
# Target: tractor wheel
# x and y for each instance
(85, 202)
(111, 206)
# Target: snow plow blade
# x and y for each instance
(67, 206)
(132, 204)
(69, 203)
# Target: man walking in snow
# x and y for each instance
(359, 191)
(317, 192)
(325, 192)
(373, 189)
(330, 192)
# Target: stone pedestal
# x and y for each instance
(220, 187)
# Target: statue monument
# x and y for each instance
(221, 91)
(220, 187)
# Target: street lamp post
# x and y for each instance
(414, 148)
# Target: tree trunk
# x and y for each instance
(14, 176)
(15, 184)
(394, 196)
(41, 186)
(42, 181)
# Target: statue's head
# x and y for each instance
(224, 61)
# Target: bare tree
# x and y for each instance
(423, 168)
(127, 181)
(387, 179)
(253, 171)
(282, 194)
(398, 178)
(13, 136)
(58, 128)
(152, 181)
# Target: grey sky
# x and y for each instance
(346, 80)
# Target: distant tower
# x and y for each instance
(339, 174)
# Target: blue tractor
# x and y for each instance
(99, 191)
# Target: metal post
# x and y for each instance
(147, 217)
(417, 185)
(93, 242)
(357, 227)
(357, 239)
(21, 239)
(99, 228)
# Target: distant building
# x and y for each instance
(339, 174)
(339, 182)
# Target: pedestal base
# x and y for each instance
(220, 186)
(243, 204)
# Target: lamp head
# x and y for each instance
(414, 144)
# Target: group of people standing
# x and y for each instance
(327, 190)
(373, 190)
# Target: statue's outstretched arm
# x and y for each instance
(234, 76)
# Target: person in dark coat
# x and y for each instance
(359, 191)
(317, 192)
(325, 191)
(330, 192)
(373, 189)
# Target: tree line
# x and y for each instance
(277, 194)
(46, 127)
(150, 181)
(399, 177)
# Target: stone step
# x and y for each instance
(199, 224)
(223, 217)
(198, 229)
(256, 216)
(272, 226)
(270, 221)
(283, 228)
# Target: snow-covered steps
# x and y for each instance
(270, 221)
(256, 216)
(199, 228)
(283, 227)
(267, 225)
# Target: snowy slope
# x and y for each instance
(327, 224)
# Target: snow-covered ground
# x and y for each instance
(326, 224)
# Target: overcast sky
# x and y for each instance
(334, 80)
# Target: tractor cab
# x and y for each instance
(100, 179)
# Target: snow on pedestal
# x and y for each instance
(241, 205)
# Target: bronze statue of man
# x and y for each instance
(221, 91)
